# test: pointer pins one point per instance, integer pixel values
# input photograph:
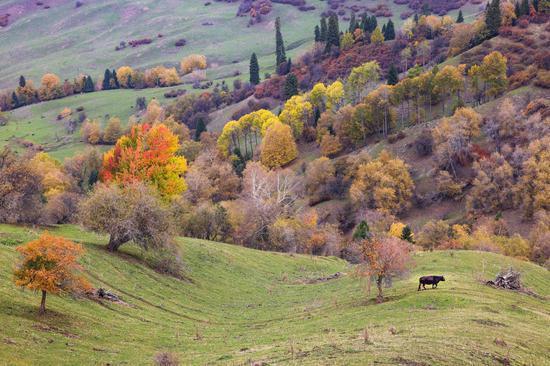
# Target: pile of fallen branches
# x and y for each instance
(509, 280)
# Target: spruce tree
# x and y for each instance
(389, 32)
(384, 30)
(114, 77)
(333, 33)
(393, 75)
(407, 234)
(88, 84)
(201, 127)
(517, 10)
(291, 86)
(525, 7)
(317, 34)
(106, 80)
(536, 5)
(364, 20)
(415, 18)
(352, 23)
(279, 43)
(324, 29)
(288, 66)
(460, 18)
(14, 100)
(254, 70)
(362, 231)
(22, 81)
(493, 18)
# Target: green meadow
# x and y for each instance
(239, 306)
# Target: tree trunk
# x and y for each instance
(380, 297)
(114, 243)
(42, 309)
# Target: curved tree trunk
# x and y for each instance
(115, 243)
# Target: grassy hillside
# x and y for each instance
(68, 40)
(38, 122)
(242, 305)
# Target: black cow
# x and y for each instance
(429, 280)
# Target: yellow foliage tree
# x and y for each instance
(278, 146)
(296, 113)
(377, 37)
(125, 75)
(193, 62)
(384, 184)
(54, 179)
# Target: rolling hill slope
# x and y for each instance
(242, 305)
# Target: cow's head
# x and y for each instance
(441, 278)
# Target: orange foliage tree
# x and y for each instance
(384, 258)
(49, 264)
(147, 154)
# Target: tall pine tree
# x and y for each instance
(324, 29)
(352, 23)
(393, 75)
(493, 17)
(88, 84)
(389, 32)
(114, 78)
(333, 33)
(22, 81)
(254, 70)
(201, 127)
(525, 7)
(291, 86)
(279, 43)
(106, 85)
(317, 34)
(460, 18)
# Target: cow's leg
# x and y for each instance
(423, 286)
(419, 284)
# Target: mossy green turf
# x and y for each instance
(241, 305)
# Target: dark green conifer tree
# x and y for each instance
(22, 81)
(288, 66)
(114, 78)
(536, 5)
(14, 100)
(254, 70)
(88, 84)
(324, 29)
(393, 75)
(333, 33)
(460, 18)
(352, 23)
(106, 85)
(415, 18)
(291, 86)
(362, 231)
(517, 10)
(525, 7)
(493, 17)
(389, 32)
(279, 43)
(317, 34)
(407, 234)
(201, 127)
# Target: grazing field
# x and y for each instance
(38, 123)
(240, 306)
(70, 40)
